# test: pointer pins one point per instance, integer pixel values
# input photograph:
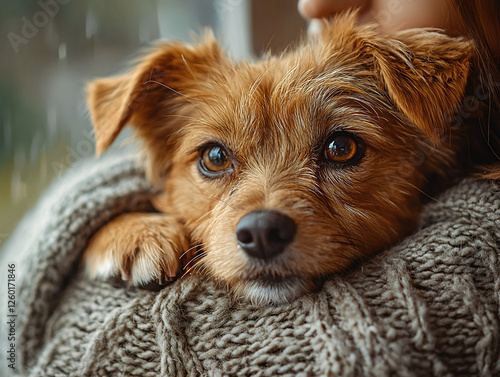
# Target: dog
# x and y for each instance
(277, 173)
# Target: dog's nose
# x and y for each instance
(265, 234)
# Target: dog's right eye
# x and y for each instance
(343, 148)
(214, 160)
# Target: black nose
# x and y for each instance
(265, 234)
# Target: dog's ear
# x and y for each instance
(423, 71)
(425, 74)
(109, 102)
(142, 96)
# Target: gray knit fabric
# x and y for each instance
(427, 307)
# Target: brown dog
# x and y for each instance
(285, 170)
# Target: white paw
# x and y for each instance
(138, 247)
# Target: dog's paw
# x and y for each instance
(141, 248)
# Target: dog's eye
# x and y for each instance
(214, 159)
(342, 147)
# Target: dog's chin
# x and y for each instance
(274, 290)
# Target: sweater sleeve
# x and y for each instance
(428, 306)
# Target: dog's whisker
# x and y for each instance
(427, 195)
(201, 193)
(206, 214)
(194, 78)
(181, 95)
(201, 255)
(349, 236)
(198, 261)
(191, 248)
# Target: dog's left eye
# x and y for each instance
(343, 148)
(213, 160)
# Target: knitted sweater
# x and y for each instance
(429, 306)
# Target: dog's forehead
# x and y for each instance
(284, 101)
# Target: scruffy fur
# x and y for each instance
(395, 93)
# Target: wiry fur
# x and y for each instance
(394, 92)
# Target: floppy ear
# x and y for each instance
(423, 71)
(109, 103)
(142, 96)
(425, 74)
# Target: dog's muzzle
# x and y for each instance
(265, 234)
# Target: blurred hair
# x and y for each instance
(480, 20)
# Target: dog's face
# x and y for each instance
(293, 167)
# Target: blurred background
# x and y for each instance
(51, 48)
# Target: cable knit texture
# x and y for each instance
(427, 307)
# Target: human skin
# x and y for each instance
(391, 15)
